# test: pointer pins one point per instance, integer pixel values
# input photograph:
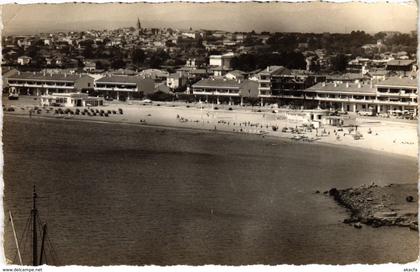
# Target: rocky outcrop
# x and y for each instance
(391, 205)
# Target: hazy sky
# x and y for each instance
(297, 17)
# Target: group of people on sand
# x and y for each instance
(259, 127)
(234, 126)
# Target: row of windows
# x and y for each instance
(115, 86)
(216, 90)
(396, 91)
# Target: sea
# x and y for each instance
(114, 194)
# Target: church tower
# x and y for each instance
(138, 24)
(139, 28)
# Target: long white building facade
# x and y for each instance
(393, 96)
(31, 83)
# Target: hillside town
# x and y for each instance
(355, 72)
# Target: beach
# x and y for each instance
(165, 191)
(385, 135)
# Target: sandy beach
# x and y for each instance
(393, 136)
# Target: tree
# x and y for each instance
(102, 65)
(32, 51)
(138, 56)
(117, 63)
(294, 60)
(170, 43)
(88, 51)
(160, 96)
(244, 62)
(339, 63)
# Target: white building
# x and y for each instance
(44, 83)
(393, 96)
(71, 100)
(223, 61)
(124, 87)
(24, 60)
(176, 81)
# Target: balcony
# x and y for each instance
(342, 99)
(266, 96)
(21, 84)
(115, 89)
(267, 79)
(292, 97)
(397, 94)
(400, 103)
(125, 89)
(32, 85)
(42, 86)
(215, 93)
(57, 86)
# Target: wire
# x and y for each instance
(53, 252)
(25, 236)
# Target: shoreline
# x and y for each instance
(389, 136)
(208, 131)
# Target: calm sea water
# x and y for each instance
(120, 194)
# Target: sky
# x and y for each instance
(282, 17)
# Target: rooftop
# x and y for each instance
(218, 83)
(398, 82)
(275, 70)
(346, 77)
(378, 73)
(149, 72)
(237, 73)
(343, 88)
(48, 76)
(400, 62)
(227, 55)
(120, 79)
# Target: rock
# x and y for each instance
(357, 225)
(414, 226)
(317, 192)
(409, 199)
(333, 192)
(349, 220)
(385, 214)
(325, 192)
(409, 214)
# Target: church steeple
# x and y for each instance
(138, 24)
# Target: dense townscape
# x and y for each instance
(355, 72)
